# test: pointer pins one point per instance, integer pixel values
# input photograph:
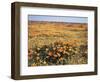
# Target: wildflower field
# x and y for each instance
(57, 43)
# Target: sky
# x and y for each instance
(68, 19)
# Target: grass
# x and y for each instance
(53, 35)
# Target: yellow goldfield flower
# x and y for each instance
(54, 48)
(33, 64)
(37, 58)
(55, 55)
(35, 52)
(61, 59)
(38, 54)
(47, 49)
(58, 54)
(44, 62)
(70, 49)
(38, 48)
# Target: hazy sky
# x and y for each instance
(58, 19)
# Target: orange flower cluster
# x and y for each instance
(58, 53)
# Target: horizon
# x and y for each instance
(67, 19)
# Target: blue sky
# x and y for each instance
(58, 18)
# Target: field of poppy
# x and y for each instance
(57, 43)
